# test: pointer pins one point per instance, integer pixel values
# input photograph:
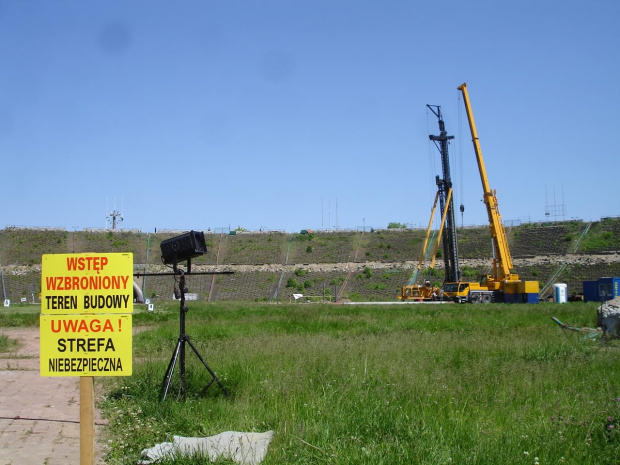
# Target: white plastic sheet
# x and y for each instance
(242, 448)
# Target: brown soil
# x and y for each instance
(39, 416)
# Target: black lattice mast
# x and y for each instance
(450, 247)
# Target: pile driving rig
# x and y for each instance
(447, 229)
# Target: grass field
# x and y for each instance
(466, 384)
(400, 384)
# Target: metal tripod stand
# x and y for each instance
(179, 351)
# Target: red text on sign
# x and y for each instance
(86, 263)
(81, 283)
(78, 326)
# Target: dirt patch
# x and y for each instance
(39, 416)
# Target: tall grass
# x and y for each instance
(20, 315)
(7, 344)
(493, 384)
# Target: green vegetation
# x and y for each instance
(568, 237)
(599, 241)
(21, 250)
(304, 237)
(468, 272)
(21, 315)
(397, 225)
(355, 297)
(378, 286)
(7, 344)
(445, 384)
(292, 282)
(395, 385)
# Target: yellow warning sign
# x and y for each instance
(86, 345)
(87, 283)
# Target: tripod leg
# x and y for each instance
(208, 369)
(165, 386)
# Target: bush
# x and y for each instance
(469, 272)
(356, 297)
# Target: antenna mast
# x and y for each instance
(114, 217)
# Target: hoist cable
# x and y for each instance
(431, 165)
(461, 166)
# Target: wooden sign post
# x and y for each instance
(87, 420)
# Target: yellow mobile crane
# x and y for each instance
(503, 285)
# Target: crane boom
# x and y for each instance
(414, 276)
(502, 260)
(503, 285)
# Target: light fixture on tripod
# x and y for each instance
(184, 248)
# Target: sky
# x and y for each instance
(303, 114)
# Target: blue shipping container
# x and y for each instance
(602, 289)
(530, 298)
(533, 298)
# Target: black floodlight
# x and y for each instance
(183, 247)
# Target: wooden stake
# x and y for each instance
(87, 420)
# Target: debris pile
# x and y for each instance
(608, 318)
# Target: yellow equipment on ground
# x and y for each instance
(502, 285)
(426, 291)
